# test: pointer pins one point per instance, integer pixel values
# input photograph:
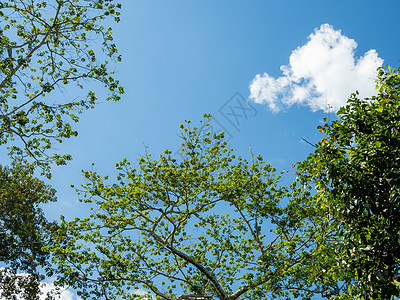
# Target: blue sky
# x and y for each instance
(185, 58)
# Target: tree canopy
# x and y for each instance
(24, 231)
(355, 170)
(47, 47)
(204, 223)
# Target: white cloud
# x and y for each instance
(321, 74)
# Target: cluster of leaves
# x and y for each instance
(24, 231)
(44, 46)
(356, 172)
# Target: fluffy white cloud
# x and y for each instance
(322, 74)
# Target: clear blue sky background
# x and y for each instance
(184, 58)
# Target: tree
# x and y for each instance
(45, 46)
(355, 170)
(24, 231)
(205, 224)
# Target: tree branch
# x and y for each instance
(192, 261)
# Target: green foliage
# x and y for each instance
(356, 172)
(206, 223)
(45, 46)
(24, 231)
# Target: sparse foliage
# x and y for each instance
(45, 46)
